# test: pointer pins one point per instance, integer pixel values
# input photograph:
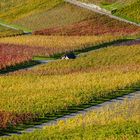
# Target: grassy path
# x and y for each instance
(25, 66)
(14, 27)
(8, 26)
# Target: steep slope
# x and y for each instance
(131, 12)
(37, 15)
(16, 9)
(107, 1)
(128, 9)
(96, 25)
(110, 4)
(61, 15)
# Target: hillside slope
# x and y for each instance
(128, 9)
(12, 10)
(131, 12)
(61, 15)
(37, 15)
(97, 25)
(110, 3)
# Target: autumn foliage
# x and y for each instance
(8, 119)
(11, 56)
(97, 26)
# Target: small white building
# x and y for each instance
(69, 56)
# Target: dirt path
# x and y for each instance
(30, 67)
(40, 63)
(82, 112)
(99, 10)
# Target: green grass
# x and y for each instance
(5, 32)
(17, 26)
(113, 6)
(43, 58)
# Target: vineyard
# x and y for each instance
(93, 27)
(12, 60)
(16, 50)
(10, 12)
(124, 58)
(39, 97)
(95, 124)
(35, 95)
(37, 86)
(34, 17)
(11, 56)
(51, 45)
(128, 9)
(55, 17)
(131, 12)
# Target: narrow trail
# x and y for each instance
(39, 62)
(99, 10)
(129, 43)
(8, 26)
(11, 27)
(72, 115)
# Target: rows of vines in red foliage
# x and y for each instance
(12, 60)
(9, 119)
(98, 25)
(11, 55)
